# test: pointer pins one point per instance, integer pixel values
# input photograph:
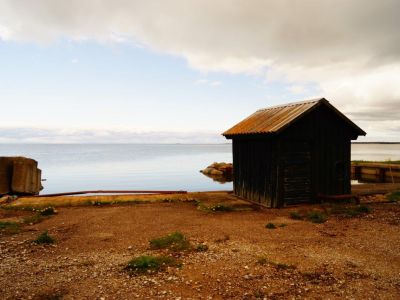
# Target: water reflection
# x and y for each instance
(220, 178)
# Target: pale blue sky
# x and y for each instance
(185, 71)
(89, 85)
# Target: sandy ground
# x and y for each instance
(343, 258)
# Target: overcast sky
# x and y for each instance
(185, 71)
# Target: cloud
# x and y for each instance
(350, 49)
(88, 136)
(297, 89)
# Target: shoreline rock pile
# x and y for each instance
(219, 169)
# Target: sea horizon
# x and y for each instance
(94, 166)
(113, 143)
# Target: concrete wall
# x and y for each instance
(19, 175)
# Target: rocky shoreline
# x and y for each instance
(221, 172)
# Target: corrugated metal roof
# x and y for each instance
(274, 119)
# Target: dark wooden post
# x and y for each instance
(357, 172)
(382, 175)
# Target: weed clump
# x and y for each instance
(316, 217)
(282, 266)
(51, 295)
(224, 239)
(221, 207)
(48, 211)
(394, 197)
(270, 226)
(262, 260)
(353, 211)
(149, 264)
(201, 248)
(312, 216)
(37, 218)
(363, 209)
(295, 215)
(175, 241)
(9, 227)
(44, 238)
(99, 203)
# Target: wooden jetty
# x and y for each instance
(375, 172)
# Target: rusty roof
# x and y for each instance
(274, 119)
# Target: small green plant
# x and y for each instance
(48, 211)
(295, 215)
(259, 294)
(393, 197)
(316, 217)
(175, 241)
(51, 295)
(9, 227)
(195, 202)
(270, 226)
(282, 266)
(201, 248)
(168, 200)
(363, 209)
(352, 211)
(44, 238)
(224, 239)
(312, 216)
(262, 260)
(37, 218)
(282, 225)
(87, 263)
(149, 264)
(221, 207)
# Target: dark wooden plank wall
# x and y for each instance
(330, 141)
(255, 168)
(296, 171)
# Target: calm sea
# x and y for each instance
(157, 167)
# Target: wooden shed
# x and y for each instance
(292, 153)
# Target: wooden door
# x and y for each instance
(296, 172)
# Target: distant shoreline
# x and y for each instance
(375, 142)
(163, 144)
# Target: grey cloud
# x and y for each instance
(377, 113)
(283, 31)
(336, 44)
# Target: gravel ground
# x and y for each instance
(343, 258)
